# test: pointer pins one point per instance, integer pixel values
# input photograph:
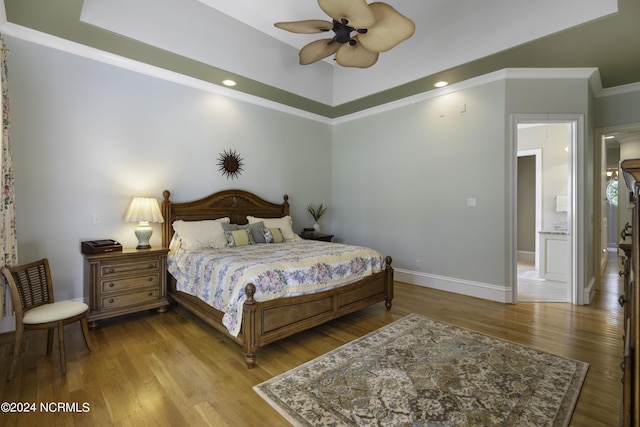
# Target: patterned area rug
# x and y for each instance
(421, 372)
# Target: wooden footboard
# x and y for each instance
(269, 321)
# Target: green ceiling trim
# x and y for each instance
(609, 44)
(61, 18)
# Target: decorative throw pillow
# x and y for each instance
(256, 230)
(273, 235)
(238, 238)
(201, 234)
(285, 224)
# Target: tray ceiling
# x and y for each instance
(454, 41)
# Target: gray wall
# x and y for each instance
(87, 137)
(401, 181)
(617, 109)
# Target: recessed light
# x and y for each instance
(229, 82)
(441, 84)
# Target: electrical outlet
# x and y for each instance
(97, 218)
(418, 263)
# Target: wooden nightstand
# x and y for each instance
(312, 235)
(126, 282)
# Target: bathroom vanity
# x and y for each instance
(553, 257)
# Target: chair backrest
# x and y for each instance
(30, 285)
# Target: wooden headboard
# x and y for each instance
(235, 204)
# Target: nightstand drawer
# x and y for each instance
(125, 284)
(111, 269)
(133, 298)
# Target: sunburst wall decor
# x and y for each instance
(230, 163)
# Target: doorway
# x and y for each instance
(614, 144)
(544, 262)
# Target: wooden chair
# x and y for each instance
(32, 295)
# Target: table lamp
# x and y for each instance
(144, 210)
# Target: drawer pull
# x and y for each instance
(152, 266)
(111, 285)
(623, 273)
(150, 279)
(111, 270)
(150, 293)
(111, 301)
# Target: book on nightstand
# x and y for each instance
(100, 246)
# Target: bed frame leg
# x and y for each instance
(250, 359)
(251, 327)
(388, 279)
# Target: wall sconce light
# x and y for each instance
(144, 210)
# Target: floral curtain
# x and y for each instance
(8, 240)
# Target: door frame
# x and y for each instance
(601, 259)
(575, 216)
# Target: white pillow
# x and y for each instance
(285, 224)
(201, 234)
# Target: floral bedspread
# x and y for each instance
(219, 276)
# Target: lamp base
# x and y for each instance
(143, 233)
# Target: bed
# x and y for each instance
(264, 322)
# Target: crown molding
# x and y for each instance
(47, 40)
(57, 43)
(619, 90)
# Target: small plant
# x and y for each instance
(316, 213)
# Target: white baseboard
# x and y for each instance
(527, 256)
(458, 286)
(589, 291)
(471, 288)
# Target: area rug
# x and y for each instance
(421, 372)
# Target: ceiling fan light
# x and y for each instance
(363, 29)
(229, 82)
(441, 83)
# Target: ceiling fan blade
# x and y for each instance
(355, 56)
(310, 26)
(317, 50)
(391, 29)
(357, 12)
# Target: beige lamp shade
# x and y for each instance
(144, 210)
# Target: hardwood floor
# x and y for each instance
(172, 369)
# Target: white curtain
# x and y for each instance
(8, 240)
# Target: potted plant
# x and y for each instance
(316, 213)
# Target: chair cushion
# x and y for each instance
(54, 312)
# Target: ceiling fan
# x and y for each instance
(361, 32)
